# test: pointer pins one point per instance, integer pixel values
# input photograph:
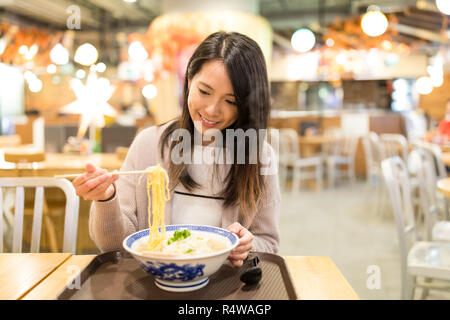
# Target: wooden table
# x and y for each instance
(446, 158)
(44, 276)
(310, 145)
(60, 163)
(443, 186)
(445, 147)
(9, 141)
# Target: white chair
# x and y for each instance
(435, 230)
(430, 260)
(71, 211)
(439, 165)
(290, 156)
(340, 151)
(393, 144)
(374, 155)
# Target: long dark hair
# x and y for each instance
(246, 67)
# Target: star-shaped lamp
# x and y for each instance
(91, 103)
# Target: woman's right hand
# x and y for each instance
(95, 184)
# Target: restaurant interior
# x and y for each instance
(360, 102)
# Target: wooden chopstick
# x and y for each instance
(67, 176)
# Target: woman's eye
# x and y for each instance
(231, 102)
(203, 92)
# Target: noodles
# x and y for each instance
(197, 243)
(182, 242)
(158, 192)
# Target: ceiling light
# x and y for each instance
(23, 50)
(51, 68)
(59, 54)
(100, 67)
(86, 54)
(374, 23)
(424, 85)
(149, 91)
(443, 6)
(29, 76)
(35, 85)
(80, 74)
(329, 42)
(303, 40)
(137, 52)
(31, 52)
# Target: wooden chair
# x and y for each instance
(340, 152)
(290, 157)
(419, 259)
(71, 211)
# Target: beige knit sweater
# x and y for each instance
(110, 222)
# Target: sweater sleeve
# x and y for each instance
(111, 221)
(265, 225)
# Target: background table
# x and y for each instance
(446, 158)
(443, 186)
(314, 278)
(311, 145)
(60, 163)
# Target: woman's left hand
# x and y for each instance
(240, 253)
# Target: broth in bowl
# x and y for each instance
(184, 243)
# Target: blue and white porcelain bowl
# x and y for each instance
(182, 273)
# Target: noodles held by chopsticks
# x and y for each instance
(158, 192)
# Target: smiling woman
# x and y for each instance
(225, 88)
(211, 100)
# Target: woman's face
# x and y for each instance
(211, 100)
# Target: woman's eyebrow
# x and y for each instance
(211, 88)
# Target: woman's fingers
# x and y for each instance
(81, 180)
(99, 192)
(236, 228)
(239, 256)
(237, 263)
(240, 253)
(91, 183)
(242, 248)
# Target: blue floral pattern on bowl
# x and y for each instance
(171, 271)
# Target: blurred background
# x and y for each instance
(79, 79)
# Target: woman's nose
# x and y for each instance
(213, 109)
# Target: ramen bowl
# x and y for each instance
(181, 273)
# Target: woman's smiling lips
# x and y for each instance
(208, 123)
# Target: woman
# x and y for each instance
(225, 91)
